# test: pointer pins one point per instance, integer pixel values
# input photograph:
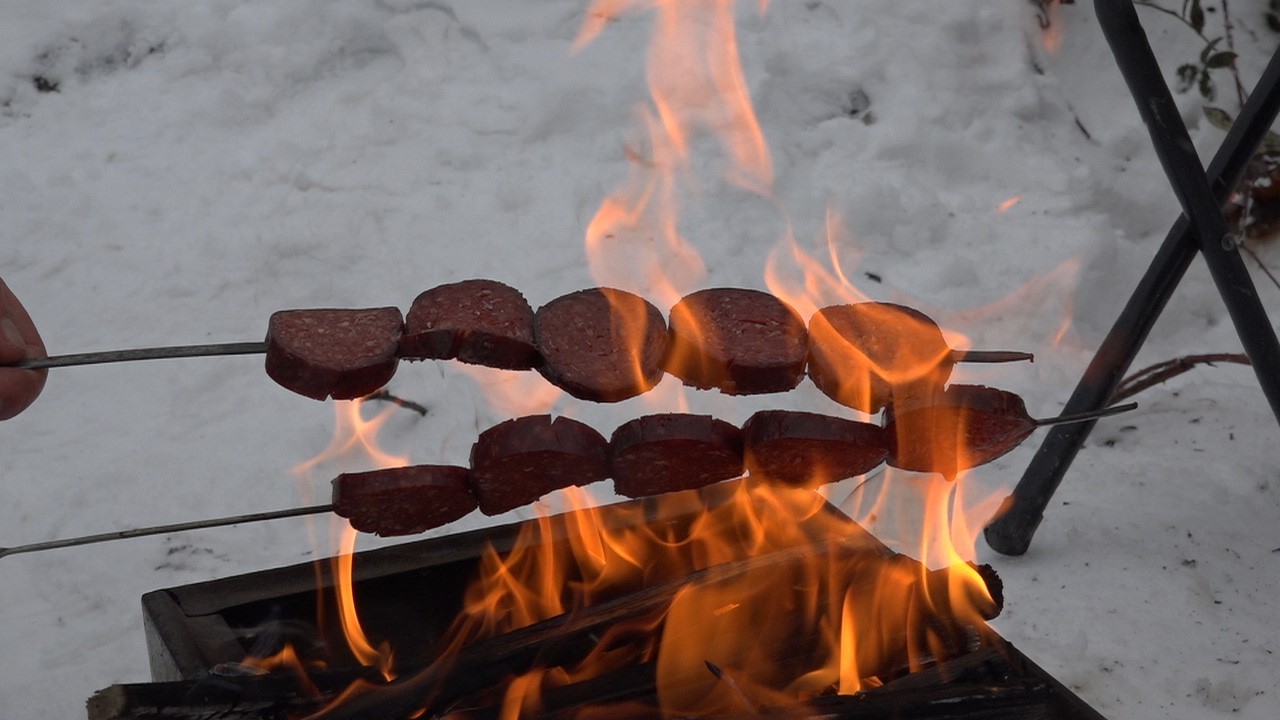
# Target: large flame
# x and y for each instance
(696, 85)
(773, 597)
(354, 445)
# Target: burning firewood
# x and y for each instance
(481, 667)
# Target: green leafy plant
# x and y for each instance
(1199, 74)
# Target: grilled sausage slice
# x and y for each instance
(864, 354)
(601, 344)
(482, 322)
(403, 500)
(808, 449)
(520, 460)
(961, 428)
(342, 354)
(740, 341)
(669, 452)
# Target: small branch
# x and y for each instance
(1241, 94)
(386, 396)
(1160, 372)
(1263, 266)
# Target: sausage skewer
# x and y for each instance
(897, 459)
(259, 347)
(151, 353)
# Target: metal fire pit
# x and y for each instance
(197, 636)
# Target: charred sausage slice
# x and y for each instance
(808, 449)
(601, 344)
(520, 460)
(740, 341)
(482, 322)
(862, 355)
(966, 426)
(403, 500)
(664, 453)
(342, 354)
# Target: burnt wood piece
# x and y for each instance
(601, 344)
(520, 460)
(225, 697)
(482, 322)
(863, 355)
(742, 342)
(664, 453)
(961, 428)
(338, 353)
(403, 500)
(565, 639)
(802, 448)
(947, 695)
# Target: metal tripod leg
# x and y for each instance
(1011, 532)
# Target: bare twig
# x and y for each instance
(1160, 372)
(386, 396)
(1266, 270)
(1227, 27)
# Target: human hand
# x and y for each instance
(18, 340)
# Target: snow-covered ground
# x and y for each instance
(201, 165)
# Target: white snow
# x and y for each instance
(202, 165)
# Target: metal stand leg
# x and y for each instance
(1206, 232)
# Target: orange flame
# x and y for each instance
(773, 597)
(1007, 204)
(821, 606)
(696, 83)
(354, 443)
(1052, 35)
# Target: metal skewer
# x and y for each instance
(165, 529)
(153, 353)
(1085, 416)
(991, 356)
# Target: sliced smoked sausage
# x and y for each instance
(482, 322)
(862, 355)
(336, 353)
(664, 453)
(961, 428)
(808, 449)
(601, 344)
(403, 500)
(739, 341)
(518, 461)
